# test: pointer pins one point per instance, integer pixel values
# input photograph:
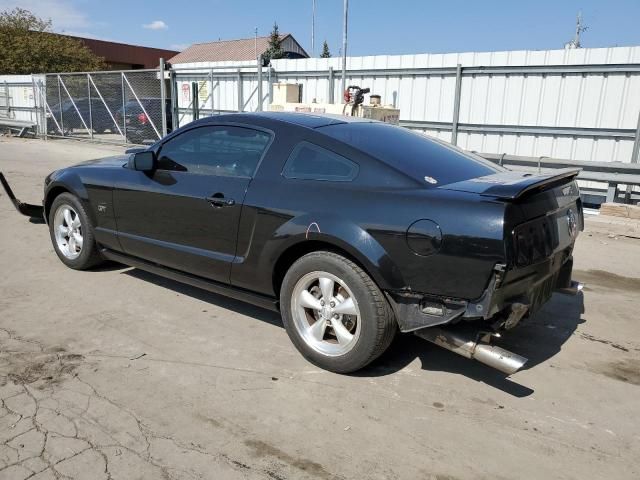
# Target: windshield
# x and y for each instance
(423, 158)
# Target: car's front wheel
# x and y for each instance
(334, 313)
(72, 233)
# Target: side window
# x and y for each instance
(221, 150)
(312, 162)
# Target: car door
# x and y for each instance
(185, 213)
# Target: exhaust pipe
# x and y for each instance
(470, 347)
(573, 289)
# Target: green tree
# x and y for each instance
(325, 50)
(28, 45)
(274, 49)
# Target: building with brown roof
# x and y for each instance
(237, 50)
(122, 56)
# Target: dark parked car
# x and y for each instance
(140, 118)
(69, 117)
(351, 228)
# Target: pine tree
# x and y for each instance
(274, 50)
(325, 50)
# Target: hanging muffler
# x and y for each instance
(475, 346)
(27, 209)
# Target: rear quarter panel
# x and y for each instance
(368, 219)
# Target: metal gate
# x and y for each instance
(199, 92)
(113, 106)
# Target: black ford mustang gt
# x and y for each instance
(351, 228)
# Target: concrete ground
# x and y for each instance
(116, 373)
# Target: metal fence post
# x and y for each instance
(456, 106)
(331, 85)
(90, 111)
(163, 98)
(270, 80)
(60, 106)
(174, 100)
(239, 80)
(259, 66)
(194, 103)
(211, 93)
(124, 107)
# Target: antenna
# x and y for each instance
(580, 27)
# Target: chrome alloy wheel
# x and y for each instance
(68, 231)
(325, 313)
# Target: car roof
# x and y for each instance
(308, 120)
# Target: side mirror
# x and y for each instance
(144, 161)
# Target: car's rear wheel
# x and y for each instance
(334, 313)
(72, 233)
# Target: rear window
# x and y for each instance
(425, 159)
(312, 162)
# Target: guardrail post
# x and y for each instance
(612, 192)
(635, 156)
(331, 85)
(259, 66)
(239, 80)
(163, 98)
(456, 106)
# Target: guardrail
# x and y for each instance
(613, 174)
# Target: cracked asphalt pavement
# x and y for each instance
(118, 374)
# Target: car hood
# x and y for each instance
(114, 161)
(512, 185)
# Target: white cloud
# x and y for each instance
(61, 12)
(179, 46)
(156, 25)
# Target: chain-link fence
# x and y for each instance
(122, 107)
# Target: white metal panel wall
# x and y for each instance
(584, 100)
(21, 96)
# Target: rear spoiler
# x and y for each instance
(531, 184)
(33, 211)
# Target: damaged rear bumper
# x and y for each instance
(509, 297)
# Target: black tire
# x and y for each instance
(89, 254)
(378, 326)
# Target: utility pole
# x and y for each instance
(580, 27)
(344, 47)
(313, 28)
(255, 42)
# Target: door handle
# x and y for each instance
(218, 200)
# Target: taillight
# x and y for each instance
(534, 241)
(142, 118)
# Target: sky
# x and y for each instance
(376, 27)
